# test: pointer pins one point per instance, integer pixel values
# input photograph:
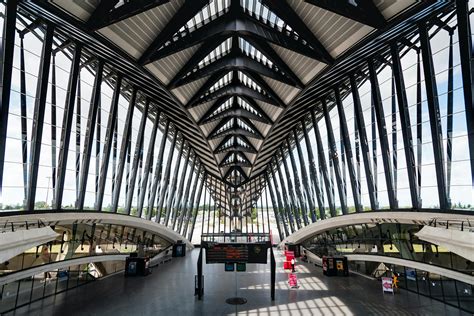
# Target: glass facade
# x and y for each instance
(401, 241)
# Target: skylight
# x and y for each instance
(224, 81)
(254, 53)
(256, 9)
(223, 49)
(210, 12)
(249, 82)
(224, 106)
(244, 105)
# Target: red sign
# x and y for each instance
(292, 280)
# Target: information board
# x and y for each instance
(231, 252)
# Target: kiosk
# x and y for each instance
(335, 266)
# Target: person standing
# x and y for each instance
(292, 264)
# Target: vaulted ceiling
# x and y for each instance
(237, 69)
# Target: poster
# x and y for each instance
(387, 285)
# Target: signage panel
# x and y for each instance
(233, 252)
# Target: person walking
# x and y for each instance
(292, 264)
(395, 281)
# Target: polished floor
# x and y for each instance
(169, 291)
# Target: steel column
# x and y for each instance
(304, 176)
(109, 138)
(405, 125)
(123, 150)
(297, 183)
(279, 220)
(359, 119)
(148, 164)
(335, 158)
(283, 207)
(137, 156)
(313, 175)
(183, 204)
(291, 190)
(449, 117)
(323, 166)
(7, 47)
(382, 129)
(177, 200)
(166, 179)
(67, 125)
(189, 199)
(53, 126)
(348, 150)
(24, 128)
(467, 70)
(285, 197)
(419, 125)
(89, 137)
(158, 173)
(433, 110)
(38, 117)
(78, 115)
(174, 180)
(198, 200)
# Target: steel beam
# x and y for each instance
(38, 116)
(359, 119)
(89, 137)
(67, 125)
(109, 139)
(180, 18)
(286, 12)
(434, 114)
(232, 90)
(405, 125)
(123, 150)
(240, 24)
(232, 62)
(383, 135)
(362, 11)
(137, 156)
(104, 18)
(266, 49)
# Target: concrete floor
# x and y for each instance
(169, 291)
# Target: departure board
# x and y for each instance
(231, 252)
(221, 253)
